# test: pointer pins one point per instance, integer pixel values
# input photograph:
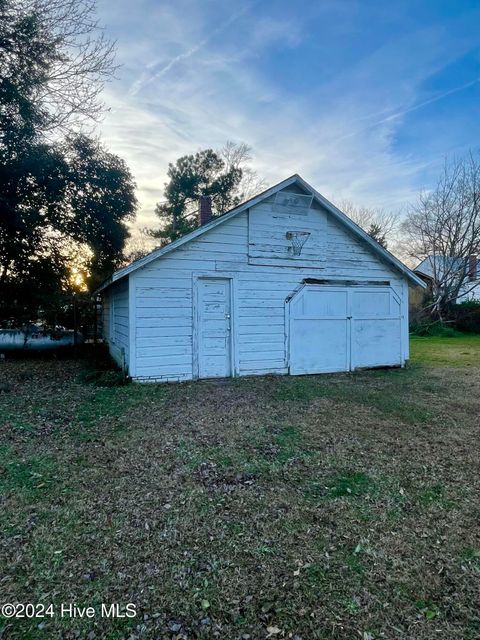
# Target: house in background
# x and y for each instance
(419, 299)
(446, 267)
(284, 283)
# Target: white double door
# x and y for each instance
(344, 328)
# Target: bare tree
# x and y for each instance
(139, 245)
(75, 57)
(381, 225)
(443, 228)
(239, 156)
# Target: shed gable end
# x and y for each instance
(273, 224)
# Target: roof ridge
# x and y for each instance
(294, 178)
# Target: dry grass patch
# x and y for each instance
(314, 507)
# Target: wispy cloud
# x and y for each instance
(323, 107)
(155, 72)
(403, 112)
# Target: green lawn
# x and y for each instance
(341, 506)
(461, 351)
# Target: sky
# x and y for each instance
(363, 99)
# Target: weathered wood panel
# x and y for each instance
(268, 226)
(240, 249)
(115, 305)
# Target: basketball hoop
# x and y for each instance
(298, 239)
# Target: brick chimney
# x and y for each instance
(204, 210)
(472, 267)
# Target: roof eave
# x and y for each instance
(295, 178)
(157, 253)
(389, 257)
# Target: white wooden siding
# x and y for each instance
(163, 292)
(267, 229)
(116, 321)
(106, 315)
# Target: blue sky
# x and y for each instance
(363, 99)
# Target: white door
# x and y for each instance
(376, 328)
(319, 331)
(344, 328)
(214, 342)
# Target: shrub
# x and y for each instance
(466, 316)
(437, 329)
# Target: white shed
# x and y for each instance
(284, 283)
